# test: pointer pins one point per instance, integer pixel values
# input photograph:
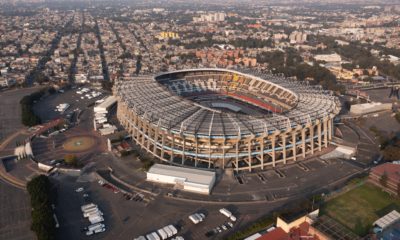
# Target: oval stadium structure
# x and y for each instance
(225, 118)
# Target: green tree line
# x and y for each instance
(290, 63)
(29, 118)
(43, 223)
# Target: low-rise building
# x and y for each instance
(329, 58)
(386, 176)
(188, 179)
(307, 226)
(366, 108)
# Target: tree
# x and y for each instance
(383, 180)
(43, 223)
(71, 159)
(37, 188)
(52, 90)
(107, 85)
(28, 117)
(391, 153)
(397, 116)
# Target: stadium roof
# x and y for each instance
(166, 109)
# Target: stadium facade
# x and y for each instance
(225, 118)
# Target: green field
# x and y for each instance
(360, 207)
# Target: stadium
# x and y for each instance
(223, 118)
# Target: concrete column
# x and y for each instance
(312, 138)
(319, 136)
(249, 153)
(330, 128)
(303, 141)
(156, 141)
(209, 153)
(162, 145)
(273, 139)
(144, 127)
(237, 155)
(130, 127)
(283, 148)
(197, 152)
(149, 136)
(138, 129)
(294, 147)
(172, 148)
(262, 152)
(183, 151)
(223, 155)
(326, 132)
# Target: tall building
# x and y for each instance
(211, 17)
(298, 37)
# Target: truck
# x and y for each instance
(194, 219)
(95, 226)
(99, 101)
(99, 230)
(90, 209)
(96, 219)
(156, 237)
(87, 206)
(168, 231)
(103, 120)
(93, 213)
(162, 233)
(225, 212)
(173, 229)
(140, 238)
(150, 236)
(201, 216)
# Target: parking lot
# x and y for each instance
(214, 226)
(284, 182)
(15, 213)
(80, 111)
(126, 219)
(46, 108)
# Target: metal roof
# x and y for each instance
(190, 175)
(159, 102)
(388, 219)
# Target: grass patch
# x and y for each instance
(253, 228)
(360, 207)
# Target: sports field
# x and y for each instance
(360, 207)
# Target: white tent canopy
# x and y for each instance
(388, 219)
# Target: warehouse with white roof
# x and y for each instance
(387, 220)
(105, 106)
(188, 179)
